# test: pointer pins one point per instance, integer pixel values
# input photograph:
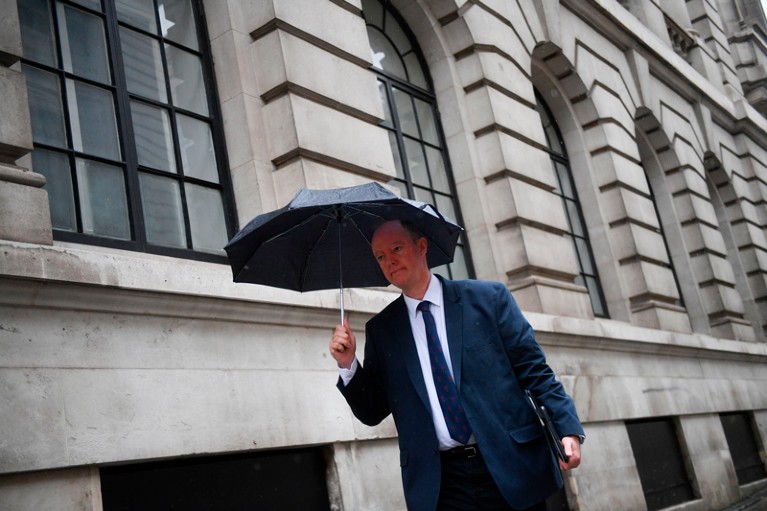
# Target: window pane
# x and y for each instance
(187, 86)
(177, 22)
(575, 218)
(445, 206)
(163, 214)
(197, 153)
(458, 267)
(103, 203)
(595, 296)
(396, 34)
(406, 113)
(563, 177)
(426, 121)
(154, 141)
(437, 170)
(396, 155)
(143, 65)
(416, 163)
(93, 4)
(139, 13)
(415, 71)
(373, 11)
(584, 255)
(45, 108)
(58, 184)
(92, 114)
(384, 56)
(83, 47)
(386, 107)
(37, 31)
(206, 218)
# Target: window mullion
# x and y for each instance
(125, 127)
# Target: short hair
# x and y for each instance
(413, 232)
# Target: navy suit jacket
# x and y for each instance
(495, 358)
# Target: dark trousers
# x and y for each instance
(468, 486)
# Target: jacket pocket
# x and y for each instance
(404, 456)
(526, 433)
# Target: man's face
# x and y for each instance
(402, 260)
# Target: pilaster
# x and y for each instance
(24, 208)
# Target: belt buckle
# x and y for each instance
(471, 451)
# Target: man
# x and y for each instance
(487, 451)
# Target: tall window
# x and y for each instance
(122, 112)
(589, 277)
(415, 134)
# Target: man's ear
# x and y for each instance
(423, 245)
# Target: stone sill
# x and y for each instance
(76, 277)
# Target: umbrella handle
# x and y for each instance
(340, 269)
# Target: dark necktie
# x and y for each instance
(447, 392)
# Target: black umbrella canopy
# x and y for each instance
(321, 239)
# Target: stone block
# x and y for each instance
(316, 70)
(709, 457)
(368, 474)
(75, 489)
(327, 22)
(24, 209)
(15, 126)
(660, 316)
(10, 33)
(294, 123)
(609, 480)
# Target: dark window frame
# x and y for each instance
(128, 158)
(596, 294)
(391, 83)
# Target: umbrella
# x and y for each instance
(321, 239)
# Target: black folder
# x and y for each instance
(552, 437)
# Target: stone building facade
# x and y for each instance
(608, 160)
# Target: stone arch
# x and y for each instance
(744, 240)
(678, 170)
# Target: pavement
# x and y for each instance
(756, 502)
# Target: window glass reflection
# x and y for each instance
(384, 56)
(138, 13)
(163, 212)
(197, 154)
(154, 140)
(92, 117)
(83, 47)
(103, 202)
(45, 109)
(37, 31)
(58, 183)
(206, 218)
(186, 82)
(143, 65)
(177, 22)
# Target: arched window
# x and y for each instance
(589, 277)
(124, 124)
(412, 121)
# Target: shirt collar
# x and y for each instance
(433, 294)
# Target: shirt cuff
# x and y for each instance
(347, 374)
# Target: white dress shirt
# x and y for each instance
(433, 295)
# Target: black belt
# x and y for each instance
(463, 451)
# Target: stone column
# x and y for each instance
(24, 210)
(320, 103)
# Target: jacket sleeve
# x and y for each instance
(365, 392)
(530, 367)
